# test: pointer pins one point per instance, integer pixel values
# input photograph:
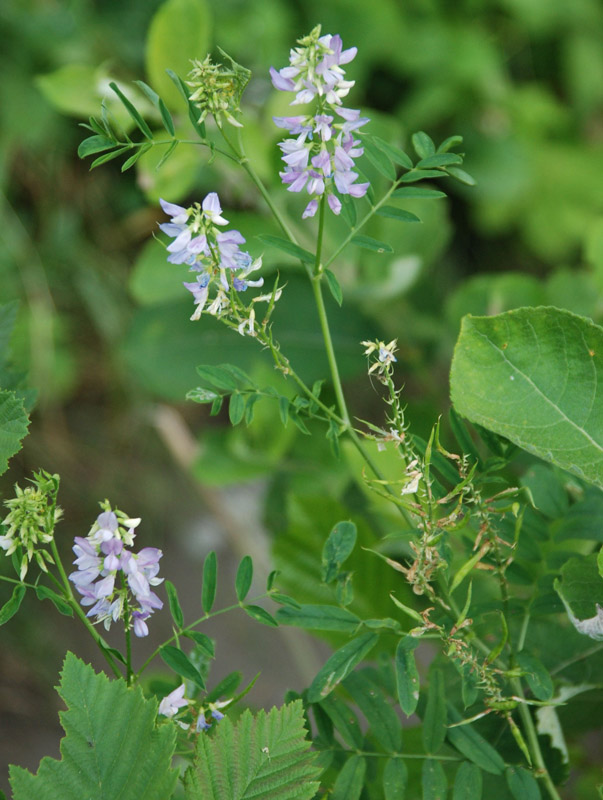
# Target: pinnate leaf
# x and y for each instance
(265, 756)
(112, 745)
(535, 376)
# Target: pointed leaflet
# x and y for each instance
(536, 675)
(467, 783)
(350, 780)
(382, 718)
(210, 577)
(473, 746)
(522, 784)
(13, 426)
(244, 578)
(262, 756)
(338, 547)
(181, 663)
(535, 376)
(340, 664)
(319, 618)
(112, 745)
(13, 604)
(435, 718)
(407, 676)
(395, 778)
(435, 784)
(344, 720)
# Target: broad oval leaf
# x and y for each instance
(522, 784)
(319, 618)
(535, 376)
(339, 665)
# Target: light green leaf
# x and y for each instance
(340, 664)
(434, 721)
(236, 408)
(395, 778)
(407, 675)
(320, 618)
(134, 761)
(338, 547)
(534, 375)
(435, 785)
(395, 154)
(522, 784)
(473, 746)
(368, 243)
(379, 159)
(537, 676)
(13, 604)
(383, 721)
(265, 756)
(334, 286)
(397, 213)
(468, 782)
(439, 160)
(13, 426)
(350, 780)
(288, 247)
(423, 144)
(417, 193)
(179, 31)
(94, 144)
(461, 176)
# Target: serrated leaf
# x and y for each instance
(344, 720)
(61, 605)
(473, 746)
(434, 782)
(534, 375)
(210, 578)
(260, 614)
(13, 604)
(112, 745)
(174, 604)
(181, 664)
(397, 213)
(536, 675)
(265, 756)
(383, 720)
(350, 780)
(244, 578)
(423, 144)
(434, 721)
(319, 618)
(339, 665)
(522, 784)
(467, 782)
(417, 193)
(334, 286)
(395, 778)
(407, 675)
(368, 243)
(13, 426)
(337, 548)
(288, 247)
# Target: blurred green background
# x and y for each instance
(104, 327)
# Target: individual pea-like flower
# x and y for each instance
(214, 255)
(174, 701)
(113, 580)
(320, 160)
(29, 525)
(384, 356)
(214, 711)
(217, 89)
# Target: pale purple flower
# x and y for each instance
(175, 700)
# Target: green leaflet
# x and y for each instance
(340, 664)
(581, 590)
(134, 761)
(370, 699)
(343, 719)
(467, 783)
(435, 784)
(13, 426)
(534, 375)
(522, 784)
(338, 547)
(407, 676)
(210, 577)
(536, 675)
(473, 746)
(434, 721)
(13, 604)
(395, 778)
(265, 756)
(244, 578)
(350, 780)
(321, 618)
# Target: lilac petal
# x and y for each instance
(172, 209)
(334, 203)
(105, 587)
(358, 189)
(149, 556)
(107, 520)
(171, 230)
(281, 83)
(230, 237)
(141, 628)
(310, 209)
(348, 55)
(180, 242)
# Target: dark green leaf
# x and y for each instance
(260, 615)
(112, 651)
(284, 599)
(395, 779)
(435, 785)
(193, 111)
(175, 609)
(337, 548)
(244, 578)
(166, 117)
(368, 243)
(225, 688)
(379, 159)
(522, 784)
(61, 605)
(449, 143)
(110, 156)
(423, 144)
(94, 144)
(203, 642)
(537, 676)
(439, 160)
(340, 664)
(418, 193)
(468, 782)
(181, 664)
(210, 577)
(13, 426)
(236, 408)
(344, 720)
(581, 590)
(397, 213)
(217, 377)
(407, 676)
(319, 618)
(12, 605)
(348, 210)
(421, 174)
(132, 111)
(288, 247)
(350, 780)
(383, 720)
(435, 719)
(394, 153)
(334, 286)
(473, 746)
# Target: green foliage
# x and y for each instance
(543, 367)
(133, 761)
(264, 755)
(581, 590)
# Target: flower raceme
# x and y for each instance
(214, 255)
(320, 159)
(102, 558)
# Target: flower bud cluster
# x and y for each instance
(321, 157)
(213, 254)
(217, 89)
(112, 579)
(30, 522)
